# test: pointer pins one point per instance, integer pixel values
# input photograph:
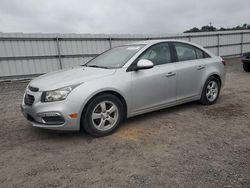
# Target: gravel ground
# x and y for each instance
(185, 146)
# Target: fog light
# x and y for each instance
(49, 114)
(52, 118)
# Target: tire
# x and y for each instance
(102, 115)
(210, 92)
(246, 67)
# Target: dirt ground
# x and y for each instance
(185, 146)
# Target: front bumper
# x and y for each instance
(51, 115)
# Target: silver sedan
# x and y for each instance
(122, 82)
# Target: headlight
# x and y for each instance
(57, 95)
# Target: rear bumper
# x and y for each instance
(245, 60)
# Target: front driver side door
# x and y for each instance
(152, 88)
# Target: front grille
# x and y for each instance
(34, 89)
(29, 99)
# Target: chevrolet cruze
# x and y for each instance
(122, 82)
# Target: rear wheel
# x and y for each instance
(103, 115)
(211, 91)
(246, 67)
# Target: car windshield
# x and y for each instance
(115, 57)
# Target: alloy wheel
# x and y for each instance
(212, 90)
(105, 115)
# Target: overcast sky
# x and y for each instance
(120, 16)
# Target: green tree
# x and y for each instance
(210, 28)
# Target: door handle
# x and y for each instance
(170, 74)
(200, 67)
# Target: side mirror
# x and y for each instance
(144, 64)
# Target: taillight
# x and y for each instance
(224, 62)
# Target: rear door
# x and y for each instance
(191, 67)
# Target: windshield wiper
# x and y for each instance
(97, 66)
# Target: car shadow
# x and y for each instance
(164, 111)
(47, 134)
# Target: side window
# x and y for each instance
(185, 52)
(206, 55)
(159, 54)
(199, 53)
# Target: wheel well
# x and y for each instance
(217, 76)
(118, 95)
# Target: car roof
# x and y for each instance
(154, 41)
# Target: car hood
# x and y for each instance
(66, 77)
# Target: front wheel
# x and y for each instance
(211, 91)
(103, 115)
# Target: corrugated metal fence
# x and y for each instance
(30, 54)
